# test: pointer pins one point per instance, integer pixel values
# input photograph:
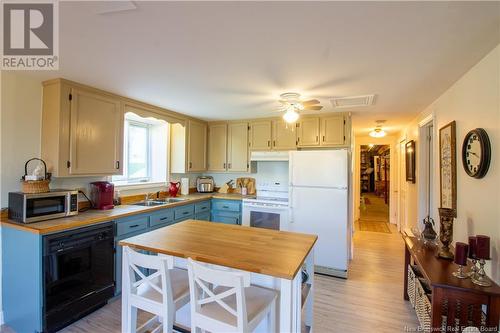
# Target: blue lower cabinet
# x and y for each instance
(226, 211)
(182, 213)
(203, 216)
(221, 217)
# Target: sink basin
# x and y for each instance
(158, 202)
(151, 203)
(170, 200)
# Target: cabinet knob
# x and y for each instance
(229, 166)
(190, 165)
(268, 143)
(224, 165)
(117, 164)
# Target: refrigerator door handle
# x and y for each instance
(290, 207)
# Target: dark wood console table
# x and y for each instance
(456, 303)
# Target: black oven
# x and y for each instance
(78, 270)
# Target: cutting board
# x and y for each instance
(247, 182)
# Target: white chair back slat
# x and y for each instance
(159, 281)
(201, 282)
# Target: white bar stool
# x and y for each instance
(224, 301)
(162, 293)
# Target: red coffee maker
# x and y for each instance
(101, 194)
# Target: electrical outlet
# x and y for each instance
(83, 189)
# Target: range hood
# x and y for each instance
(269, 156)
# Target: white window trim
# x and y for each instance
(148, 157)
(124, 185)
(130, 186)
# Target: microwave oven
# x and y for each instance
(28, 208)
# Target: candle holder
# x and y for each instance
(480, 278)
(460, 274)
(446, 216)
(473, 269)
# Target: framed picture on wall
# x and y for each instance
(410, 161)
(448, 167)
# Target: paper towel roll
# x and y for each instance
(184, 186)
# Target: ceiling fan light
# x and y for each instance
(291, 116)
(377, 133)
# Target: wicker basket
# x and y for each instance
(35, 186)
(413, 274)
(411, 285)
(423, 305)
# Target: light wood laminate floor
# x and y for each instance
(370, 300)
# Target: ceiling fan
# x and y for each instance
(292, 105)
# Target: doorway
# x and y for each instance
(374, 188)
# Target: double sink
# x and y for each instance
(159, 202)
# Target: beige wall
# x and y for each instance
(21, 112)
(473, 101)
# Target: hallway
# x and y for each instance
(374, 214)
(371, 300)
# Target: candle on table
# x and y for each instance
(482, 247)
(461, 250)
(472, 247)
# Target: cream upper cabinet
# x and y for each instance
(308, 132)
(284, 136)
(237, 147)
(197, 147)
(82, 131)
(260, 135)
(332, 130)
(188, 147)
(96, 131)
(217, 147)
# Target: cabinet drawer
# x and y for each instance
(227, 218)
(203, 216)
(184, 219)
(132, 225)
(183, 211)
(226, 205)
(201, 207)
(163, 217)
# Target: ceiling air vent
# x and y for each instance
(352, 101)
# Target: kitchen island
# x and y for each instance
(275, 259)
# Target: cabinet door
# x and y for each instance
(332, 130)
(308, 132)
(284, 136)
(217, 147)
(237, 143)
(260, 135)
(197, 146)
(96, 134)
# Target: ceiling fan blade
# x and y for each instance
(310, 102)
(313, 108)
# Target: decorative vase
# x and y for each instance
(429, 234)
(446, 216)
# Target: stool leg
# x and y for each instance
(132, 319)
(168, 320)
(271, 321)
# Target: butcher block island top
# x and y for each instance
(277, 253)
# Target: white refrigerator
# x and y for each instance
(319, 201)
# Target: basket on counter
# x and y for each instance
(35, 186)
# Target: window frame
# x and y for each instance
(149, 161)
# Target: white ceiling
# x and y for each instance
(230, 60)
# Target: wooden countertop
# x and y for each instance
(270, 252)
(94, 216)
(439, 271)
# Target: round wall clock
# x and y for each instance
(476, 153)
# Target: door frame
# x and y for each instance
(402, 204)
(391, 141)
